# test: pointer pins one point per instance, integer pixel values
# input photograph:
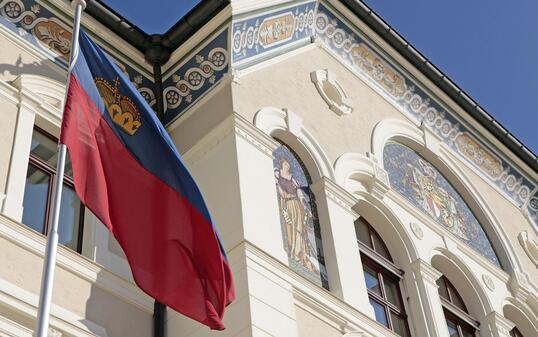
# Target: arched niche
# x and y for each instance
(467, 285)
(428, 146)
(523, 322)
(286, 126)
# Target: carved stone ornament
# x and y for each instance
(331, 91)
(415, 228)
(54, 333)
(488, 282)
(530, 246)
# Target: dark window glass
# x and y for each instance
(515, 333)
(457, 327)
(38, 190)
(382, 285)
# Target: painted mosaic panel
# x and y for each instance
(195, 77)
(266, 32)
(37, 25)
(419, 106)
(425, 187)
(298, 217)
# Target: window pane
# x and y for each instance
(392, 292)
(399, 325)
(46, 150)
(380, 314)
(372, 282)
(379, 247)
(452, 328)
(442, 288)
(36, 193)
(456, 299)
(467, 333)
(362, 232)
(69, 226)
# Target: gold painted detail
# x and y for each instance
(121, 108)
(479, 155)
(276, 29)
(55, 36)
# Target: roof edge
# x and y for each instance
(434, 74)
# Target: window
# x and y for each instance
(459, 322)
(38, 193)
(515, 333)
(382, 279)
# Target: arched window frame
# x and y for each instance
(455, 309)
(376, 257)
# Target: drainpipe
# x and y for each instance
(157, 55)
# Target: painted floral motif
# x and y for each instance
(298, 217)
(424, 186)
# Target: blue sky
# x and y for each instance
(488, 47)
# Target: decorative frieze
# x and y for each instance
(262, 33)
(41, 28)
(195, 76)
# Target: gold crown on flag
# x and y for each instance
(121, 108)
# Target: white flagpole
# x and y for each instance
(47, 279)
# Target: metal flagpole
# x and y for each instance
(47, 279)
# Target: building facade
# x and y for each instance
(356, 189)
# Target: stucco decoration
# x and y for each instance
(298, 217)
(417, 230)
(348, 43)
(488, 281)
(425, 187)
(530, 245)
(331, 91)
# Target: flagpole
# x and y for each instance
(47, 279)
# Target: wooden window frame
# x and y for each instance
(384, 268)
(454, 313)
(68, 181)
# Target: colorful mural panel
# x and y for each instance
(298, 217)
(425, 187)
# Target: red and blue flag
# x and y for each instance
(130, 175)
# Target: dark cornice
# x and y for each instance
(156, 47)
(413, 56)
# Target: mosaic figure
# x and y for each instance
(298, 217)
(424, 186)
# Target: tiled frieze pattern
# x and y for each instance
(268, 31)
(418, 105)
(33, 22)
(197, 75)
(425, 187)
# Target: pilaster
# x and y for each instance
(343, 260)
(498, 325)
(425, 277)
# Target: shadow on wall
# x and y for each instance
(46, 68)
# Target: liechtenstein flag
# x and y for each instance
(129, 174)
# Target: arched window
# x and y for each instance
(382, 279)
(298, 216)
(424, 186)
(459, 322)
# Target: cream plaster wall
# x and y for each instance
(284, 82)
(309, 325)
(8, 116)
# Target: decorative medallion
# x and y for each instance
(417, 230)
(530, 245)
(488, 282)
(331, 91)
